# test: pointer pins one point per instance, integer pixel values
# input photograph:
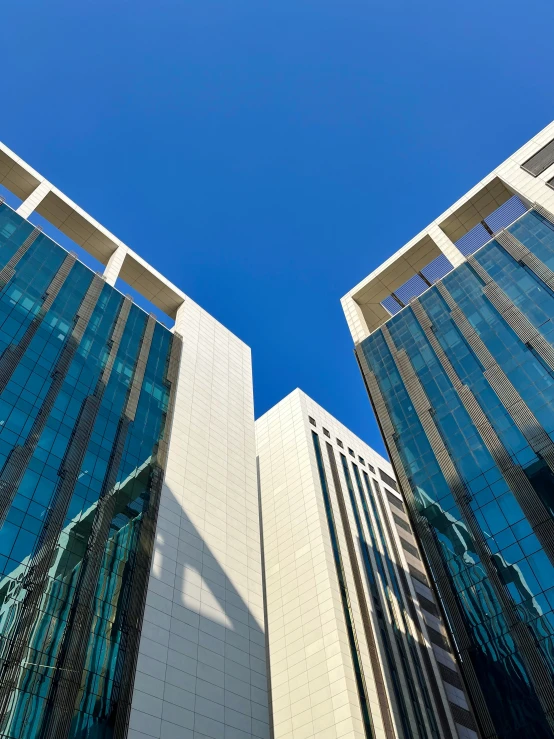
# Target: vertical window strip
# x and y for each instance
(401, 604)
(403, 599)
(348, 616)
(393, 670)
(378, 676)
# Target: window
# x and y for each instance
(388, 479)
(361, 460)
(450, 676)
(339, 442)
(541, 160)
(437, 638)
(351, 452)
(550, 183)
(326, 433)
(403, 524)
(312, 420)
(394, 500)
(463, 717)
(371, 467)
(428, 605)
(418, 574)
(410, 548)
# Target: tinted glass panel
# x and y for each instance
(541, 160)
(62, 407)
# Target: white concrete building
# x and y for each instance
(356, 641)
(201, 670)
(201, 662)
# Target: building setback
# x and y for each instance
(131, 585)
(454, 337)
(357, 645)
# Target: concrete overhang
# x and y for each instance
(362, 305)
(55, 207)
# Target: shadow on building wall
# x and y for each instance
(199, 624)
(202, 657)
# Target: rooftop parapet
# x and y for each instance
(525, 178)
(39, 195)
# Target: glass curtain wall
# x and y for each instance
(463, 385)
(84, 394)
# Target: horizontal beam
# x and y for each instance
(40, 196)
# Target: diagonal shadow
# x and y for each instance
(202, 660)
(199, 624)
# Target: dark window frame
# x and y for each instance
(388, 480)
(546, 163)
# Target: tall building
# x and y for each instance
(357, 645)
(131, 584)
(454, 339)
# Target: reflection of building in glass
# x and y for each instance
(356, 640)
(454, 339)
(47, 637)
(130, 569)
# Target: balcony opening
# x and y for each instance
(484, 231)
(144, 303)
(67, 243)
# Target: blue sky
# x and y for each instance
(266, 156)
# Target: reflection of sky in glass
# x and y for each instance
(516, 553)
(20, 404)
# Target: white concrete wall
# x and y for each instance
(201, 668)
(313, 683)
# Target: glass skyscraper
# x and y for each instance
(123, 611)
(459, 366)
(85, 388)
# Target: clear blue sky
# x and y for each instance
(266, 156)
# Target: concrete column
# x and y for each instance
(356, 320)
(448, 247)
(207, 555)
(115, 262)
(178, 328)
(36, 197)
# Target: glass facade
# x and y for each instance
(85, 392)
(462, 382)
(348, 617)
